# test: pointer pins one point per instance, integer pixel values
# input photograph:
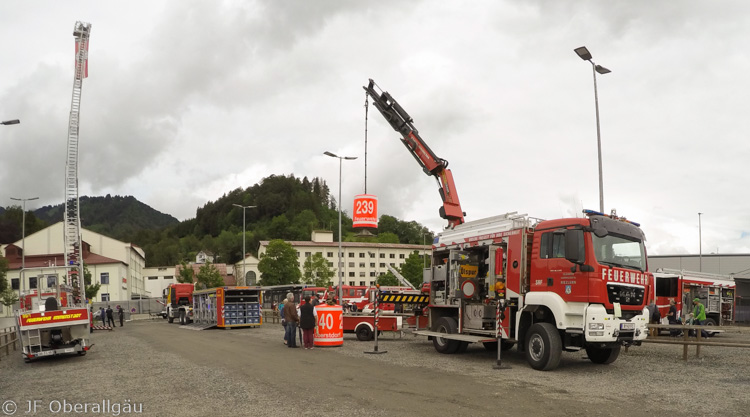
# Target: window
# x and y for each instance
(351, 264)
(351, 274)
(361, 264)
(372, 264)
(341, 273)
(298, 254)
(32, 283)
(308, 254)
(361, 254)
(351, 254)
(382, 264)
(372, 254)
(319, 253)
(104, 279)
(152, 278)
(361, 274)
(382, 255)
(15, 283)
(392, 264)
(372, 274)
(105, 296)
(392, 256)
(362, 283)
(330, 264)
(168, 277)
(330, 254)
(351, 282)
(401, 256)
(51, 281)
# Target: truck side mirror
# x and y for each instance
(572, 244)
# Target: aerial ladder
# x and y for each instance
(72, 218)
(431, 163)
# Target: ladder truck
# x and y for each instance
(545, 286)
(58, 322)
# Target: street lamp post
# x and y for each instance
(341, 159)
(23, 237)
(700, 245)
(586, 56)
(10, 122)
(244, 253)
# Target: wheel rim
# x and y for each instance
(440, 341)
(536, 347)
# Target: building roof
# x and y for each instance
(351, 244)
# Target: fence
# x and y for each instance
(8, 339)
(686, 340)
(742, 310)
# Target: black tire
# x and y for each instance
(445, 325)
(543, 347)
(170, 319)
(182, 317)
(364, 333)
(710, 322)
(603, 356)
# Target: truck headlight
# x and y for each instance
(596, 326)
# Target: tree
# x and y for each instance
(279, 265)
(316, 271)
(3, 274)
(209, 276)
(187, 275)
(91, 290)
(387, 279)
(412, 269)
(8, 298)
(387, 237)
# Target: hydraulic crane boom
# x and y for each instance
(431, 163)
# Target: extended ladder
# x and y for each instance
(72, 221)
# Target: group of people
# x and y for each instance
(698, 317)
(304, 315)
(108, 316)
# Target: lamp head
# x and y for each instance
(583, 53)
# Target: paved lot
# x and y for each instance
(170, 371)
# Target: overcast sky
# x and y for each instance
(188, 100)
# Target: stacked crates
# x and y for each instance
(228, 307)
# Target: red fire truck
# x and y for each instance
(716, 293)
(557, 285)
(51, 323)
(179, 301)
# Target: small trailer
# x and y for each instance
(227, 307)
(363, 324)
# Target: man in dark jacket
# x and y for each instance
(121, 314)
(103, 316)
(292, 319)
(110, 316)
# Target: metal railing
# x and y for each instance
(8, 339)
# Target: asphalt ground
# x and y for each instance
(170, 371)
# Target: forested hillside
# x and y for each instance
(286, 208)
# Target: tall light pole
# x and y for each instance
(23, 237)
(10, 122)
(341, 159)
(700, 245)
(586, 56)
(244, 253)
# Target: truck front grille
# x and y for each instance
(625, 295)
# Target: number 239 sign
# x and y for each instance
(365, 211)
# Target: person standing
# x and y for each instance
(121, 314)
(308, 318)
(103, 316)
(672, 318)
(699, 315)
(283, 320)
(110, 316)
(292, 319)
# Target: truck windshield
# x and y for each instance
(619, 251)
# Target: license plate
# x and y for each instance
(44, 353)
(69, 350)
(627, 326)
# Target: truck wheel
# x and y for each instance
(182, 317)
(710, 322)
(543, 347)
(170, 318)
(364, 333)
(445, 325)
(603, 355)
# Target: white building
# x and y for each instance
(116, 265)
(362, 262)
